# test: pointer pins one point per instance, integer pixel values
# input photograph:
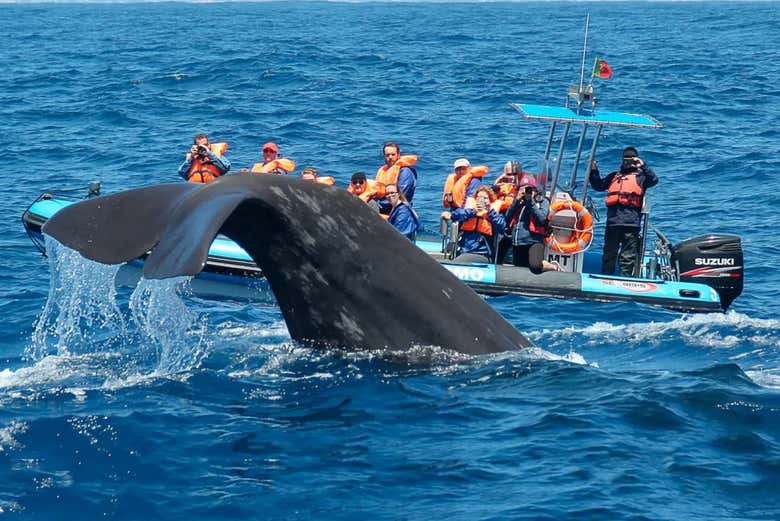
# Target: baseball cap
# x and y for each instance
(271, 146)
(461, 162)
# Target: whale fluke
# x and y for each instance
(341, 275)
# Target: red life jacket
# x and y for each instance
(624, 190)
(205, 172)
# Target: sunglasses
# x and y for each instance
(391, 193)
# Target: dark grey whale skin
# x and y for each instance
(341, 275)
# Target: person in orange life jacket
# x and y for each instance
(402, 216)
(505, 188)
(368, 190)
(406, 177)
(462, 167)
(506, 184)
(480, 222)
(201, 164)
(625, 191)
(272, 163)
(528, 217)
(310, 174)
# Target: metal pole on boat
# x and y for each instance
(591, 158)
(550, 136)
(582, 69)
(554, 187)
(577, 157)
(640, 256)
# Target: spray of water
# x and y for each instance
(84, 314)
(81, 311)
(175, 334)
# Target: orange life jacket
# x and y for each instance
(274, 167)
(481, 222)
(388, 175)
(373, 189)
(624, 190)
(506, 194)
(205, 172)
(458, 190)
(448, 185)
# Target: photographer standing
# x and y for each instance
(625, 192)
(204, 162)
(528, 216)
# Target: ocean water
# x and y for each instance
(155, 404)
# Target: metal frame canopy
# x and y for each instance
(593, 117)
(585, 117)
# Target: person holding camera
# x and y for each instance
(204, 162)
(625, 192)
(480, 224)
(527, 218)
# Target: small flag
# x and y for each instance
(602, 69)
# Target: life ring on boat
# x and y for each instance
(581, 235)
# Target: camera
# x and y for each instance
(528, 190)
(483, 203)
(630, 161)
(203, 150)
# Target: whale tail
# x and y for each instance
(341, 275)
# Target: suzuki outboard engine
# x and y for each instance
(714, 260)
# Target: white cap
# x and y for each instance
(462, 162)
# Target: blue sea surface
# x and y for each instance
(157, 404)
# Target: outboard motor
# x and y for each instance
(714, 260)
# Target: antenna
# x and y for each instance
(584, 51)
(580, 92)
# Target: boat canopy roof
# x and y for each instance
(591, 117)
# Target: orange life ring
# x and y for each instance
(581, 236)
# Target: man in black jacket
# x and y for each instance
(625, 192)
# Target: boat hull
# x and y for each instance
(230, 273)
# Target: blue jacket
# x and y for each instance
(222, 164)
(407, 182)
(473, 241)
(527, 210)
(405, 220)
(621, 215)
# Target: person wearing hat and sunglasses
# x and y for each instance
(625, 189)
(272, 163)
(368, 190)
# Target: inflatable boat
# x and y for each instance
(703, 274)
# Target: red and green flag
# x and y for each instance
(602, 69)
